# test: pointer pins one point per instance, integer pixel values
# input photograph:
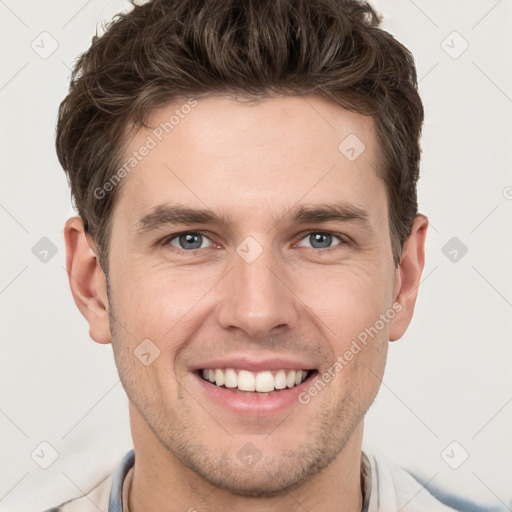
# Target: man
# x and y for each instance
(249, 241)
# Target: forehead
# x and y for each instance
(251, 156)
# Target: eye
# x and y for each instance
(322, 240)
(187, 241)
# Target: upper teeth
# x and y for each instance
(248, 381)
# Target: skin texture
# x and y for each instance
(255, 162)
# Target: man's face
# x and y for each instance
(268, 290)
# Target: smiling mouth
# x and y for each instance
(264, 382)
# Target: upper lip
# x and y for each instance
(254, 364)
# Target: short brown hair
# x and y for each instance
(165, 49)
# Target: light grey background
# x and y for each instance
(447, 380)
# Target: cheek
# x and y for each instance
(346, 300)
(157, 302)
(143, 357)
(165, 302)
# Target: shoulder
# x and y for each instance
(96, 499)
(105, 494)
(393, 488)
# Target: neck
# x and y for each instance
(162, 483)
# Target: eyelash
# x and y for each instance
(343, 240)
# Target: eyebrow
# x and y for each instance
(176, 214)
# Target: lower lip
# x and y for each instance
(253, 404)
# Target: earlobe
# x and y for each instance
(87, 281)
(408, 277)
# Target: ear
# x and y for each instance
(408, 277)
(86, 279)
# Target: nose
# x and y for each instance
(256, 297)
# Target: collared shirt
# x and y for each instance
(387, 488)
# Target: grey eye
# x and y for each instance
(320, 240)
(188, 241)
